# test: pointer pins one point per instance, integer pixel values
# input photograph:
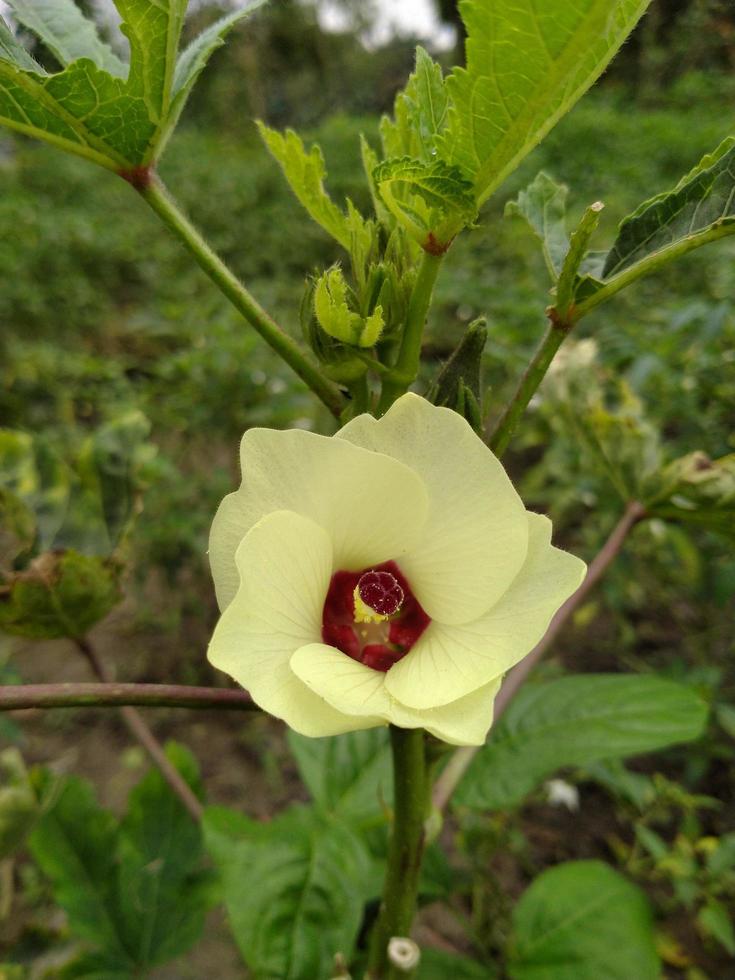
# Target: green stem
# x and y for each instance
(528, 385)
(156, 195)
(407, 364)
(398, 907)
(650, 264)
(360, 392)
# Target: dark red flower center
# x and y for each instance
(372, 616)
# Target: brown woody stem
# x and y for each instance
(139, 729)
(24, 696)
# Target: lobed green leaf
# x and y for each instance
(116, 115)
(66, 32)
(305, 173)
(527, 64)
(419, 113)
(433, 201)
(349, 775)
(294, 888)
(193, 59)
(543, 204)
(74, 844)
(134, 890)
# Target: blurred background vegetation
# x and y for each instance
(104, 318)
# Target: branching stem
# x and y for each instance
(407, 364)
(140, 731)
(156, 195)
(18, 697)
(532, 377)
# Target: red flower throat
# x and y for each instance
(382, 596)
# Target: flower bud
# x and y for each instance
(335, 317)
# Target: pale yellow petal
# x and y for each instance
(340, 680)
(372, 506)
(449, 662)
(475, 539)
(356, 689)
(465, 721)
(284, 564)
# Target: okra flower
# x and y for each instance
(387, 574)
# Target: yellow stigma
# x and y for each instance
(363, 612)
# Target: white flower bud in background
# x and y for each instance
(561, 793)
(403, 953)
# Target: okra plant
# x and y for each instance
(382, 587)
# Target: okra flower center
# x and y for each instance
(372, 616)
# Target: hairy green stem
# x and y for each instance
(532, 377)
(407, 364)
(156, 195)
(398, 907)
(14, 697)
(651, 263)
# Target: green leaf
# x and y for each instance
(19, 804)
(305, 173)
(110, 474)
(163, 891)
(527, 64)
(14, 53)
(438, 965)
(195, 56)
(116, 115)
(544, 206)
(82, 110)
(722, 858)
(432, 201)
(575, 721)
(349, 775)
(714, 920)
(583, 921)
(419, 113)
(60, 594)
(135, 890)
(623, 782)
(35, 475)
(153, 28)
(700, 208)
(17, 528)
(75, 844)
(651, 841)
(66, 32)
(294, 889)
(336, 318)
